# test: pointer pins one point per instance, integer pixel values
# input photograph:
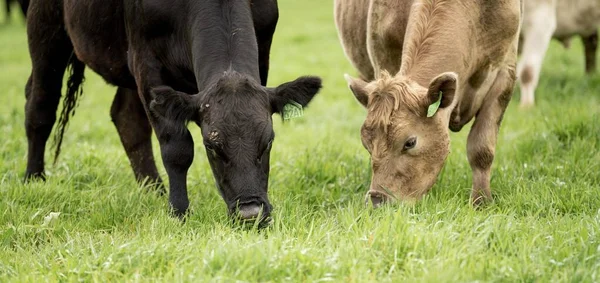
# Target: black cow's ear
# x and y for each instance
(174, 106)
(301, 91)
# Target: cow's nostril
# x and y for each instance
(250, 211)
(377, 199)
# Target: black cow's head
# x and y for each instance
(235, 117)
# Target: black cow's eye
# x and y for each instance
(410, 143)
(269, 145)
(210, 149)
(267, 149)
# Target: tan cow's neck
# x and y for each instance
(432, 44)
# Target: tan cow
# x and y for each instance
(560, 19)
(408, 53)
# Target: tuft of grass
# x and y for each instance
(543, 226)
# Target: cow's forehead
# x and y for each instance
(236, 120)
(243, 98)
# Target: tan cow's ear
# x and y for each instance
(446, 84)
(358, 88)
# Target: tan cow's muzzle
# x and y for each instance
(376, 198)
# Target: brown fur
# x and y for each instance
(372, 38)
(483, 158)
(385, 99)
(425, 32)
(465, 50)
(353, 36)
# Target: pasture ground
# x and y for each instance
(544, 224)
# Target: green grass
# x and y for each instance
(544, 225)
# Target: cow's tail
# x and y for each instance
(76, 77)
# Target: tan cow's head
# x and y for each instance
(408, 149)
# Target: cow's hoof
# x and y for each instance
(526, 105)
(158, 187)
(182, 216)
(32, 177)
(179, 210)
(480, 201)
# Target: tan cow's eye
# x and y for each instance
(410, 143)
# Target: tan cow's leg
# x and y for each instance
(481, 144)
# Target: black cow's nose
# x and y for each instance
(250, 211)
(377, 199)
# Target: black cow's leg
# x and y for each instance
(24, 5)
(591, 45)
(177, 151)
(129, 117)
(176, 147)
(50, 50)
(7, 5)
(265, 15)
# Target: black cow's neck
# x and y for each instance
(223, 39)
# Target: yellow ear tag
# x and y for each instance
(292, 110)
(434, 107)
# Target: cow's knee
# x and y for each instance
(481, 158)
(177, 148)
(528, 78)
(527, 75)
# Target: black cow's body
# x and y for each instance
(157, 52)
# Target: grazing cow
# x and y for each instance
(158, 53)
(22, 3)
(413, 54)
(561, 19)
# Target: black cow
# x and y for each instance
(157, 53)
(22, 3)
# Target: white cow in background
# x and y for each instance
(559, 19)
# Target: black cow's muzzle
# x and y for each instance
(251, 210)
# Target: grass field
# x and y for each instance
(543, 226)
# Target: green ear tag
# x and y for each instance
(292, 110)
(434, 107)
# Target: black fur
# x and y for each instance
(301, 91)
(74, 91)
(176, 107)
(177, 61)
